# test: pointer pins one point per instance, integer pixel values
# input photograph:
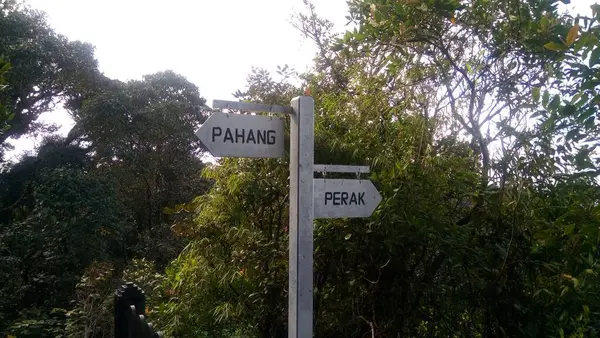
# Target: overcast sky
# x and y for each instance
(214, 43)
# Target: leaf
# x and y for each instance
(535, 92)
(595, 57)
(469, 68)
(572, 35)
(569, 229)
(555, 103)
(555, 46)
(566, 276)
(347, 237)
(544, 22)
(568, 109)
(581, 159)
(5, 67)
(572, 134)
(545, 98)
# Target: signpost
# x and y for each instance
(300, 295)
(236, 135)
(339, 198)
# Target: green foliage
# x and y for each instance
(568, 121)
(57, 219)
(45, 67)
(477, 120)
(235, 267)
(475, 236)
(35, 323)
(5, 115)
(92, 314)
(145, 275)
(233, 272)
(141, 134)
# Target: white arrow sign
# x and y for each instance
(234, 135)
(341, 198)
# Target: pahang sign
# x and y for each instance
(340, 198)
(235, 135)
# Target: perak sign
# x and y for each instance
(339, 198)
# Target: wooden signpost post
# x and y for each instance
(236, 135)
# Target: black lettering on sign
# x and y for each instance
(262, 136)
(271, 137)
(216, 131)
(345, 198)
(352, 199)
(336, 198)
(328, 197)
(239, 137)
(228, 136)
(250, 138)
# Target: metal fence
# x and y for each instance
(130, 316)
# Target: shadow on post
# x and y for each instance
(130, 319)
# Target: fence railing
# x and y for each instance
(130, 316)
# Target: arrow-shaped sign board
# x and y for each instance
(341, 198)
(234, 135)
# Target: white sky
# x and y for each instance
(214, 43)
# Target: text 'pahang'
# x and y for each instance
(236, 135)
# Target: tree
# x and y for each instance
(45, 68)
(57, 218)
(568, 103)
(141, 134)
(475, 235)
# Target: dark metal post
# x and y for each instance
(125, 296)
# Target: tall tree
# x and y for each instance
(45, 67)
(141, 133)
(57, 217)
